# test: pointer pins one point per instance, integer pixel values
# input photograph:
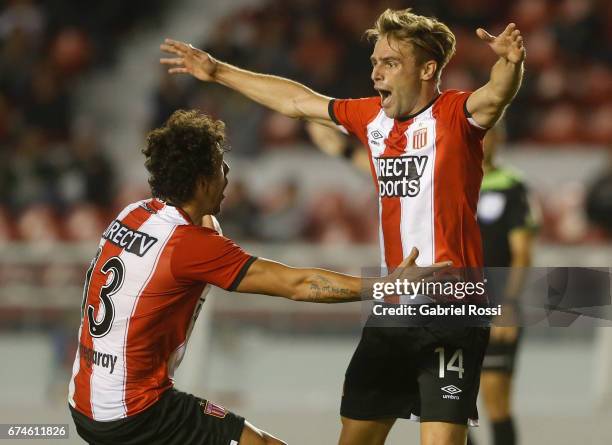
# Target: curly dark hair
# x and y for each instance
(189, 146)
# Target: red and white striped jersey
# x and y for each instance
(142, 295)
(427, 168)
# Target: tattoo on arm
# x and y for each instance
(322, 288)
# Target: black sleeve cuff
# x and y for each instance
(330, 111)
(241, 274)
(465, 110)
(473, 123)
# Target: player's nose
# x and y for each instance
(376, 74)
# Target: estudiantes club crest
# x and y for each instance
(213, 410)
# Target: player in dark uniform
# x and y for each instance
(507, 223)
(144, 290)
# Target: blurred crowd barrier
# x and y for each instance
(272, 360)
(296, 194)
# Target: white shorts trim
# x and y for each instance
(470, 422)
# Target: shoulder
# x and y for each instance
(197, 244)
(193, 233)
(365, 108)
(451, 99)
(364, 102)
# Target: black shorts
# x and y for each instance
(501, 356)
(177, 418)
(427, 374)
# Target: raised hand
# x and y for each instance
(509, 44)
(188, 60)
(408, 270)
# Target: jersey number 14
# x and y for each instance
(454, 364)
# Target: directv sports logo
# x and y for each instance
(400, 176)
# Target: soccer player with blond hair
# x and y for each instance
(424, 148)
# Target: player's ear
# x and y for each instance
(428, 70)
(201, 186)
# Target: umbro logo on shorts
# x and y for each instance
(451, 390)
(376, 134)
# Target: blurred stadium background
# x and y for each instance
(80, 87)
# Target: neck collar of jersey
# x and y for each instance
(183, 213)
(413, 115)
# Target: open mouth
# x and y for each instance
(385, 97)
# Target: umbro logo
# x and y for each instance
(451, 389)
(376, 134)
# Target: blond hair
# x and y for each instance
(430, 38)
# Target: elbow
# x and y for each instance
(297, 296)
(299, 105)
(293, 112)
(499, 100)
(299, 291)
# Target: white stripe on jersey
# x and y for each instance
(384, 125)
(76, 366)
(377, 147)
(417, 217)
(381, 240)
(176, 357)
(108, 390)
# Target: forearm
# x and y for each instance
(505, 81)
(324, 286)
(268, 277)
(279, 94)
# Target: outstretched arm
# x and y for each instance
(324, 286)
(487, 104)
(279, 94)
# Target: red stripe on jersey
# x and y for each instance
(148, 379)
(82, 381)
(391, 211)
(457, 234)
(391, 215)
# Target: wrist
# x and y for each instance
(515, 65)
(220, 71)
